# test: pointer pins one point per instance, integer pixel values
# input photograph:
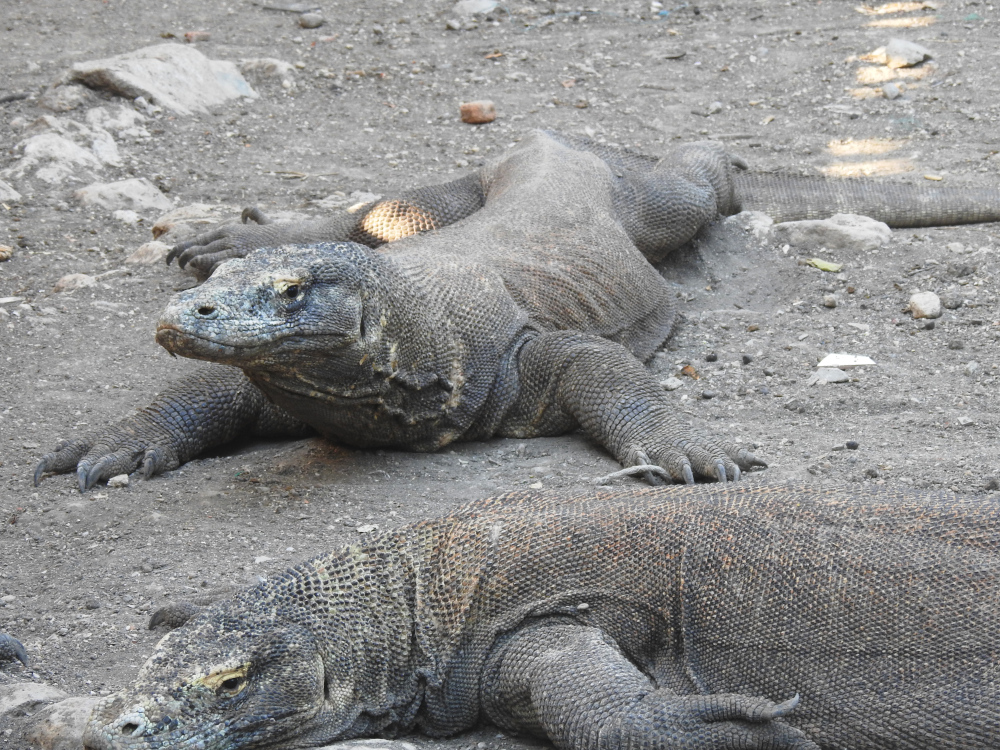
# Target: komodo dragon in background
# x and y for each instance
(527, 312)
(641, 618)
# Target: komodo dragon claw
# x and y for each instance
(11, 648)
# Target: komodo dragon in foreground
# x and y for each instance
(528, 312)
(642, 618)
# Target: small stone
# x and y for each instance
(972, 368)
(714, 108)
(992, 483)
(960, 270)
(453, 24)
(796, 406)
(197, 36)
(949, 302)
(839, 232)
(91, 602)
(64, 98)
(845, 361)
(900, 53)
(827, 375)
(872, 473)
(671, 384)
(133, 194)
(965, 422)
(477, 113)
(925, 305)
(707, 395)
(829, 300)
(892, 90)
(768, 372)
(367, 528)
(852, 445)
(72, 281)
(929, 325)
(120, 480)
(747, 359)
(711, 357)
(6, 253)
(8, 598)
(466, 8)
(126, 216)
(310, 20)
(956, 344)
(149, 254)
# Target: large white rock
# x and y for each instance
(8, 193)
(839, 232)
(52, 158)
(174, 76)
(121, 121)
(26, 696)
(900, 53)
(60, 726)
(137, 194)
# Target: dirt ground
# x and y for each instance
(373, 107)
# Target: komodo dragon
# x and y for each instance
(642, 618)
(527, 312)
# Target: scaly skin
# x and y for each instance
(603, 621)
(11, 649)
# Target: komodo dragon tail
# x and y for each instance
(792, 198)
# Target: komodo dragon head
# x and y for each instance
(216, 684)
(253, 312)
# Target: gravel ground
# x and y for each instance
(371, 104)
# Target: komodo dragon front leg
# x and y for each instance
(572, 685)
(211, 408)
(571, 379)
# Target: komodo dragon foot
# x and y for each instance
(11, 649)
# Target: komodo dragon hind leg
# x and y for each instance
(572, 684)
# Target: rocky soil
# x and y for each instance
(369, 102)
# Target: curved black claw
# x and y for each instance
(781, 709)
(11, 648)
(254, 214)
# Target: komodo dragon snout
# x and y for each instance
(265, 686)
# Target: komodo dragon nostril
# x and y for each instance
(207, 311)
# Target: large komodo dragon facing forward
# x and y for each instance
(528, 312)
(651, 618)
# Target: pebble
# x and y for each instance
(965, 422)
(992, 483)
(839, 232)
(925, 305)
(121, 480)
(972, 368)
(711, 357)
(149, 253)
(929, 325)
(136, 193)
(708, 395)
(900, 53)
(72, 281)
(956, 344)
(951, 303)
(768, 372)
(714, 108)
(6, 253)
(872, 473)
(892, 90)
(826, 375)
(747, 359)
(453, 24)
(829, 300)
(852, 445)
(477, 113)
(7, 599)
(671, 384)
(310, 20)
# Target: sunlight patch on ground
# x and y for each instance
(870, 75)
(865, 93)
(886, 8)
(863, 146)
(871, 168)
(903, 23)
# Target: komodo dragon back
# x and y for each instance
(879, 610)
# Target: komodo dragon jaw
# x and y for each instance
(248, 690)
(289, 302)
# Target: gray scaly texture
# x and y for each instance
(515, 301)
(709, 618)
(11, 649)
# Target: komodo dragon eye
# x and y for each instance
(292, 292)
(231, 686)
